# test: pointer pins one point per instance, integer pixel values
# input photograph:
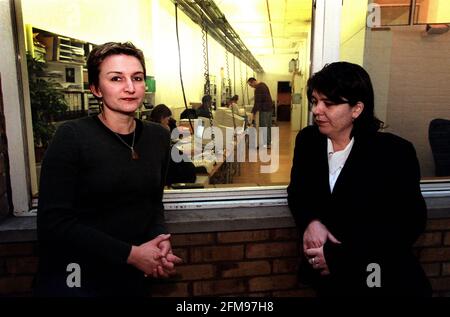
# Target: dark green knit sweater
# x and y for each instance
(95, 202)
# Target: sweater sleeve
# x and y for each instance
(299, 189)
(387, 233)
(58, 220)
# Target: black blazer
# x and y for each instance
(376, 210)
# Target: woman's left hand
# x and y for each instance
(168, 259)
(317, 259)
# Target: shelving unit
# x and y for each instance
(69, 50)
(65, 58)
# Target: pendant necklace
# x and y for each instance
(134, 154)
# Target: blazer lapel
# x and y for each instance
(322, 170)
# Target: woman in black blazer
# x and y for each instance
(355, 194)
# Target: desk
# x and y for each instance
(226, 164)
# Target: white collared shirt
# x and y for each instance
(336, 161)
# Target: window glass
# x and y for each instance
(432, 11)
(409, 70)
(393, 12)
(60, 34)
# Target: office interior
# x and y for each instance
(406, 55)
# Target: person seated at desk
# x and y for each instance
(205, 109)
(189, 114)
(178, 172)
(232, 104)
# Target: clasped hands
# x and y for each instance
(155, 257)
(314, 238)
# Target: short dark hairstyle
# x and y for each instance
(159, 112)
(343, 82)
(234, 98)
(206, 100)
(100, 52)
(251, 79)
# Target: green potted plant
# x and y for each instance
(47, 104)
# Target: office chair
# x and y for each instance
(439, 138)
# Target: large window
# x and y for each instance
(404, 12)
(59, 35)
(409, 69)
(408, 66)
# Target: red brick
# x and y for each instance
(182, 253)
(440, 283)
(11, 249)
(431, 269)
(15, 284)
(242, 236)
(435, 254)
(217, 253)
(429, 239)
(180, 240)
(274, 282)
(439, 224)
(306, 292)
(284, 234)
(445, 268)
(170, 290)
(289, 265)
(196, 272)
(236, 269)
(22, 265)
(447, 238)
(270, 250)
(203, 288)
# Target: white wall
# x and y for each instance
(96, 21)
(150, 25)
(276, 69)
(165, 55)
(353, 30)
(377, 62)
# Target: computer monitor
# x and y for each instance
(199, 131)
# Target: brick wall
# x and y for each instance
(242, 263)
(5, 202)
(239, 263)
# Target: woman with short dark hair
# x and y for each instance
(100, 202)
(355, 193)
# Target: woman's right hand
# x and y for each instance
(315, 236)
(148, 256)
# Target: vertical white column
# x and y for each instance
(14, 113)
(326, 33)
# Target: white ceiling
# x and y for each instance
(290, 21)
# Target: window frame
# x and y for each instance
(324, 49)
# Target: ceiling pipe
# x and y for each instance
(218, 28)
(270, 24)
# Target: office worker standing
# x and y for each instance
(355, 193)
(100, 212)
(263, 105)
